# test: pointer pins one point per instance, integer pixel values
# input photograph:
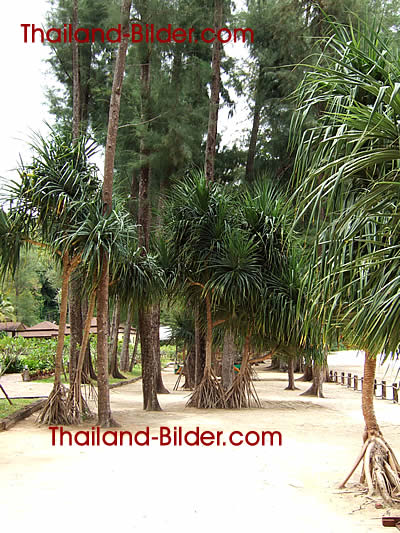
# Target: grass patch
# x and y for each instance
(6, 409)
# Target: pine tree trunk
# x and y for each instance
(133, 358)
(251, 153)
(113, 350)
(127, 336)
(76, 106)
(150, 400)
(160, 387)
(104, 410)
(228, 359)
(88, 368)
(214, 97)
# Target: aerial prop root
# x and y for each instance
(381, 470)
(55, 410)
(77, 405)
(242, 393)
(208, 393)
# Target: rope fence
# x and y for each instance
(382, 389)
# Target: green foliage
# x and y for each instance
(35, 354)
(347, 170)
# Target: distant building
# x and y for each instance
(44, 330)
(12, 328)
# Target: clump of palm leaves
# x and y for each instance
(347, 175)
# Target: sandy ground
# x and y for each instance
(175, 489)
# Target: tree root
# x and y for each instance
(77, 405)
(208, 394)
(381, 470)
(242, 393)
(55, 410)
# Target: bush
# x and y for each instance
(35, 354)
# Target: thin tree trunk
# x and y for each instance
(308, 373)
(104, 410)
(251, 153)
(67, 270)
(228, 359)
(214, 97)
(150, 400)
(133, 358)
(209, 335)
(76, 106)
(197, 347)
(318, 379)
(161, 389)
(88, 368)
(113, 359)
(127, 336)
(75, 322)
(146, 312)
(54, 411)
(291, 385)
(371, 424)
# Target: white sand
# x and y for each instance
(287, 488)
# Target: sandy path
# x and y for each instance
(287, 488)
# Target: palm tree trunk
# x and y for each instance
(318, 379)
(54, 411)
(291, 385)
(67, 270)
(371, 424)
(76, 404)
(207, 367)
(228, 356)
(75, 322)
(197, 347)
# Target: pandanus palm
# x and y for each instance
(45, 202)
(348, 168)
(198, 215)
(57, 204)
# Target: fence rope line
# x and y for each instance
(352, 381)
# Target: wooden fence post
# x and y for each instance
(395, 393)
(349, 380)
(383, 390)
(355, 382)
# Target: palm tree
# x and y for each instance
(347, 170)
(47, 202)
